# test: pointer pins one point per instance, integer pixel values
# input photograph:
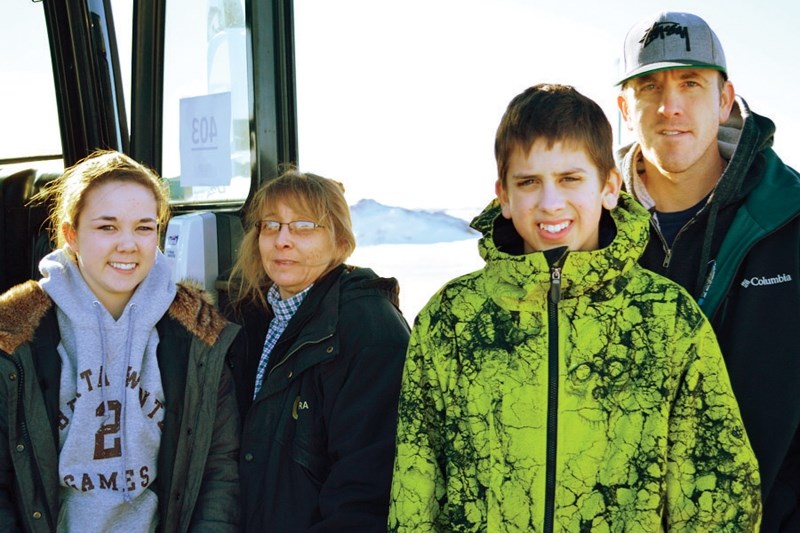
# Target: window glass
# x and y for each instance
(205, 98)
(386, 105)
(29, 124)
(122, 11)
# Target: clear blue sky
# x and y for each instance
(400, 100)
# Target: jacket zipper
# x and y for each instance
(667, 249)
(20, 409)
(664, 246)
(26, 438)
(552, 395)
(292, 352)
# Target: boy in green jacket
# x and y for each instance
(563, 387)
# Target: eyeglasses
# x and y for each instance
(296, 227)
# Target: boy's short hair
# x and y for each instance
(556, 113)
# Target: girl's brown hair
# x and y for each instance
(68, 192)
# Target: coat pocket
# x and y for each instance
(308, 449)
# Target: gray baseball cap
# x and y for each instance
(671, 40)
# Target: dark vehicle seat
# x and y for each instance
(24, 236)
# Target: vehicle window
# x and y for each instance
(206, 146)
(122, 11)
(27, 93)
(384, 92)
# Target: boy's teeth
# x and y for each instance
(554, 228)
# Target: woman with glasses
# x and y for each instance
(319, 380)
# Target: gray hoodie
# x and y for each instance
(111, 399)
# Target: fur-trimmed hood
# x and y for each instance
(21, 310)
(23, 307)
(194, 309)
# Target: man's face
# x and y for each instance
(675, 115)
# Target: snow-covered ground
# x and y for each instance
(375, 223)
(421, 269)
(422, 249)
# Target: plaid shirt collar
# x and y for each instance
(284, 310)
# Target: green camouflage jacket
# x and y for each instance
(589, 395)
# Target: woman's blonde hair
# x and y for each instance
(68, 192)
(321, 199)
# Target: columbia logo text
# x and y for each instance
(759, 282)
(662, 30)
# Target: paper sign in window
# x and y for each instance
(205, 140)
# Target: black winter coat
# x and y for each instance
(318, 441)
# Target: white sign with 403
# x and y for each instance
(205, 140)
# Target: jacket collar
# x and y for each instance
(311, 336)
(336, 288)
(302, 340)
(516, 280)
(22, 308)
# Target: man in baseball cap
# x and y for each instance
(726, 226)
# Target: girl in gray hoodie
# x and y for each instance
(126, 436)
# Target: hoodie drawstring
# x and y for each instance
(98, 313)
(123, 425)
(705, 254)
(104, 377)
